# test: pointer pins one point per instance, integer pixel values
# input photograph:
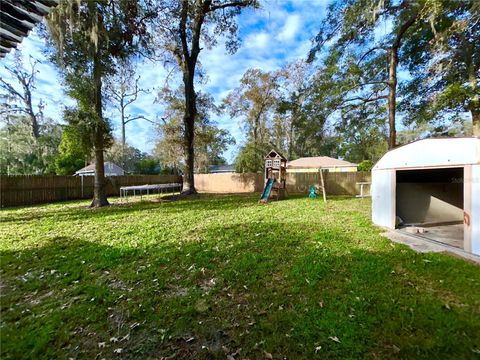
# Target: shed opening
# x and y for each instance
(432, 199)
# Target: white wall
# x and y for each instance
(383, 198)
(475, 209)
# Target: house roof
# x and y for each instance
(17, 18)
(221, 168)
(433, 152)
(318, 162)
(110, 168)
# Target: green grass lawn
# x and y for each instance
(223, 277)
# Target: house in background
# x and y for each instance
(314, 164)
(221, 169)
(111, 169)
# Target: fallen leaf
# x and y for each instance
(334, 338)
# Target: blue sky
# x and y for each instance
(279, 32)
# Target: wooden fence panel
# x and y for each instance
(27, 190)
(229, 183)
(297, 183)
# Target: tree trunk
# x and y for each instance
(476, 122)
(124, 140)
(31, 114)
(392, 101)
(189, 134)
(290, 137)
(99, 191)
(392, 80)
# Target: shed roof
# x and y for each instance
(433, 152)
(316, 162)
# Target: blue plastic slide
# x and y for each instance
(267, 190)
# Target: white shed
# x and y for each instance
(432, 183)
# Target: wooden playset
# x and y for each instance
(275, 177)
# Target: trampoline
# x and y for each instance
(149, 189)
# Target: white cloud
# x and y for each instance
(257, 41)
(290, 29)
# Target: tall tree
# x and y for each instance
(254, 102)
(444, 61)
(362, 133)
(23, 154)
(130, 156)
(88, 38)
(184, 27)
(123, 90)
(351, 33)
(293, 83)
(210, 142)
(20, 101)
(73, 153)
(29, 140)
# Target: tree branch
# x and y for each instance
(139, 117)
(238, 3)
(363, 100)
(369, 52)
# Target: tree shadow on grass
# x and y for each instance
(71, 212)
(260, 287)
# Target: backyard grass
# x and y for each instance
(223, 277)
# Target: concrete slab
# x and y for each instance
(451, 235)
(424, 245)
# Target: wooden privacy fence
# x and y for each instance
(26, 190)
(229, 183)
(336, 183)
